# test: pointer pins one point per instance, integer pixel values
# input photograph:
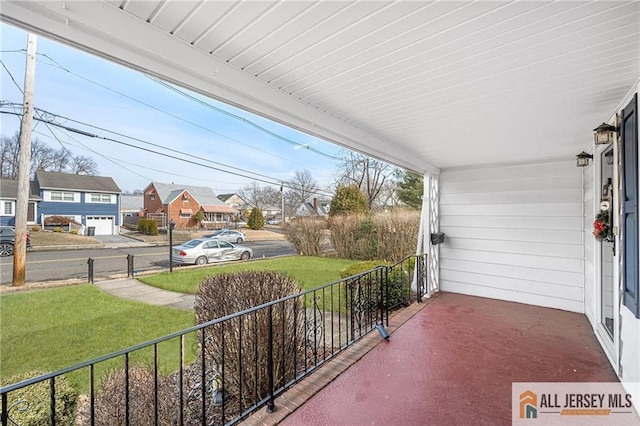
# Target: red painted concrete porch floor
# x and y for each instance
(452, 363)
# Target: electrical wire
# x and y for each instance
(242, 119)
(56, 64)
(11, 76)
(118, 161)
(267, 180)
(155, 145)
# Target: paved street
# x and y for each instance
(53, 265)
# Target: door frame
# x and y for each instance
(610, 344)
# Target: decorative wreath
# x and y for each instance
(601, 226)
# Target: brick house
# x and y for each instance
(180, 203)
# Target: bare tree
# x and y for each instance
(301, 188)
(9, 154)
(368, 174)
(43, 157)
(82, 165)
(260, 196)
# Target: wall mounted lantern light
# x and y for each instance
(582, 159)
(604, 134)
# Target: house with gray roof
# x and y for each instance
(93, 201)
(9, 197)
(181, 203)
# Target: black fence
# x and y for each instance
(221, 371)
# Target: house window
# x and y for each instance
(61, 196)
(152, 197)
(101, 198)
(8, 208)
(184, 215)
(185, 199)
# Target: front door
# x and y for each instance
(607, 246)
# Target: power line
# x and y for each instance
(11, 76)
(242, 119)
(117, 162)
(56, 64)
(155, 145)
(268, 180)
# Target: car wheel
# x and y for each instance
(202, 260)
(245, 255)
(6, 249)
(239, 240)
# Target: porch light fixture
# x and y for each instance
(582, 159)
(604, 133)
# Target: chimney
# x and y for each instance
(315, 205)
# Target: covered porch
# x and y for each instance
(490, 102)
(449, 361)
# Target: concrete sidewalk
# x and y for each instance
(130, 288)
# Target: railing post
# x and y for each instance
(5, 413)
(386, 296)
(271, 405)
(90, 272)
(129, 265)
(52, 400)
(383, 284)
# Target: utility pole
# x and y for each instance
(22, 202)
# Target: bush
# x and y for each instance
(74, 232)
(57, 229)
(37, 396)
(226, 294)
(398, 291)
(306, 235)
(35, 229)
(349, 199)
(59, 221)
(110, 399)
(390, 236)
(256, 219)
(147, 226)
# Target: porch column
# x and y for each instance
(429, 223)
(433, 258)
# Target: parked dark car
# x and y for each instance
(7, 240)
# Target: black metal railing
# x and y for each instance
(221, 371)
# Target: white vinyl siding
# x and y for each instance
(514, 233)
(590, 281)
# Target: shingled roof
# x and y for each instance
(9, 189)
(67, 181)
(169, 191)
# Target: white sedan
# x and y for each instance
(227, 235)
(204, 250)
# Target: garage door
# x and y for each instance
(103, 224)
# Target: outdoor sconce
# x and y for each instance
(582, 159)
(604, 133)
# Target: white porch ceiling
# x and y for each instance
(424, 85)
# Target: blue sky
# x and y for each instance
(170, 120)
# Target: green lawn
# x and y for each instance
(47, 330)
(51, 329)
(310, 272)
